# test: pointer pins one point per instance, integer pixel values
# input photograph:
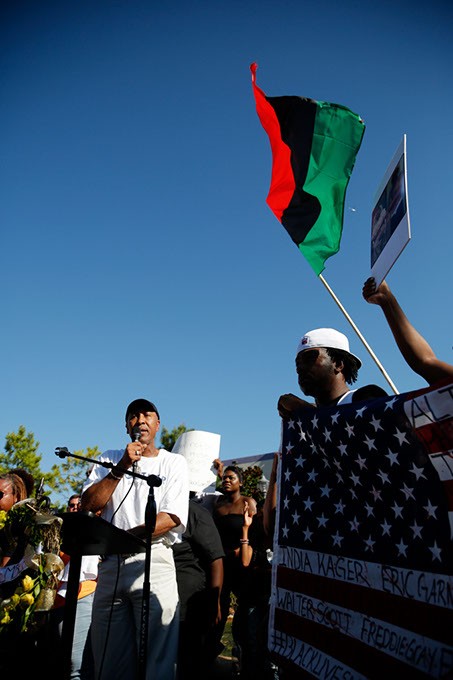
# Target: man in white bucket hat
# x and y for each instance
(325, 366)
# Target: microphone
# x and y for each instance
(136, 434)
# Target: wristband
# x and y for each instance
(244, 541)
(112, 474)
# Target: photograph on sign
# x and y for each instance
(390, 226)
(199, 449)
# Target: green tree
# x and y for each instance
(168, 437)
(21, 451)
(72, 473)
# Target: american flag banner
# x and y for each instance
(362, 574)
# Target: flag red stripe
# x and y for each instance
(283, 184)
(419, 617)
(436, 437)
(363, 658)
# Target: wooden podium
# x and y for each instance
(84, 533)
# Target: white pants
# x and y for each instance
(116, 621)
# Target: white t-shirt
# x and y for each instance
(88, 572)
(346, 398)
(126, 506)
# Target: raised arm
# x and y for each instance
(416, 351)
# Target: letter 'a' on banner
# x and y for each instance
(314, 147)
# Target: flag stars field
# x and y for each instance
(369, 544)
(393, 457)
(436, 551)
(327, 435)
(401, 436)
(417, 471)
(307, 534)
(384, 477)
(370, 443)
(339, 508)
(386, 528)
(430, 509)
(296, 488)
(402, 548)
(416, 530)
(376, 493)
(325, 491)
(408, 492)
(398, 510)
(354, 524)
(349, 429)
(337, 539)
(361, 462)
(376, 424)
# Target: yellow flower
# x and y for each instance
(26, 600)
(15, 599)
(5, 619)
(27, 583)
(3, 516)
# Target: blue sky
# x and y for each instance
(138, 255)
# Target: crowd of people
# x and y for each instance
(160, 610)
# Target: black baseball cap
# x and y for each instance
(141, 406)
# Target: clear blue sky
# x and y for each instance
(138, 255)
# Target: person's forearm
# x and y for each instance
(164, 522)
(97, 495)
(415, 349)
(215, 588)
(270, 502)
(216, 574)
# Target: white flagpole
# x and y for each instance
(379, 365)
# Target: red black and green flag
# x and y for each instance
(314, 147)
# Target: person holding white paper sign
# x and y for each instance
(416, 351)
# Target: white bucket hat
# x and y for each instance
(325, 337)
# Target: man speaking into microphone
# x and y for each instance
(122, 499)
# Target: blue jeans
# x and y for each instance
(81, 657)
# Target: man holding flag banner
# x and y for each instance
(362, 566)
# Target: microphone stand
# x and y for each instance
(150, 525)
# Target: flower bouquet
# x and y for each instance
(35, 576)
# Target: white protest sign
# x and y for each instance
(390, 226)
(199, 449)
